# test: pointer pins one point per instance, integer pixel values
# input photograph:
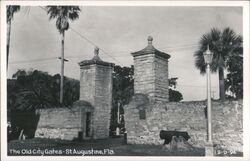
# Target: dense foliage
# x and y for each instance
(30, 90)
(123, 90)
(234, 78)
(225, 45)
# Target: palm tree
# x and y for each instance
(234, 80)
(223, 45)
(63, 14)
(10, 15)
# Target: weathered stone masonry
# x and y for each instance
(185, 116)
(89, 118)
(58, 123)
(149, 111)
(96, 88)
(151, 72)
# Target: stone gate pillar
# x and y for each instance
(151, 72)
(96, 88)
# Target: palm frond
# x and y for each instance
(74, 13)
(200, 62)
(63, 14)
(215, 34)
(62, 24)
(222, 44)
(11, 10)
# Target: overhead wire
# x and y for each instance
(176, 48)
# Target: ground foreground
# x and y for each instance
(107, 147)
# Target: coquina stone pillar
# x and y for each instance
(96, 88)
(151, 72)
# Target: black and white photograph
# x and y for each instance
(86, 79)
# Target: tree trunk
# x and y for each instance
(222, 84)
(8, 40)
(62, 69)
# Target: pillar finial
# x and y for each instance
(96, 51)
(150, 39)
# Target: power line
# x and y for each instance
(122, 55)
(84, 56)
(68, 57)
(43, 8)
(161, 48)
(181, 47)
(91, 42)
(33, 60)
(72, 57)
(192, 86)
(27, 11)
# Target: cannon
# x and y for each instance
(167, 135)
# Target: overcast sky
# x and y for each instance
(35, 41)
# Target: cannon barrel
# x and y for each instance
(167, 135)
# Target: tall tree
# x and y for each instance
(11, 10)
(222, 44)
(63, 14)
(234, 79)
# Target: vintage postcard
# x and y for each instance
(126, 80)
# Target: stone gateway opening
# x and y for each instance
(89, 117)
(88, 124)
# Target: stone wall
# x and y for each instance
(65, 123)
(184, 116)
(59, 123)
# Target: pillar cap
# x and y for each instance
(96, 51)
(95, 60)
(150, 39)
(150, 49)
(96, 55)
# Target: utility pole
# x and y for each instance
(62, 68)
(118, 119)
(62, 74)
